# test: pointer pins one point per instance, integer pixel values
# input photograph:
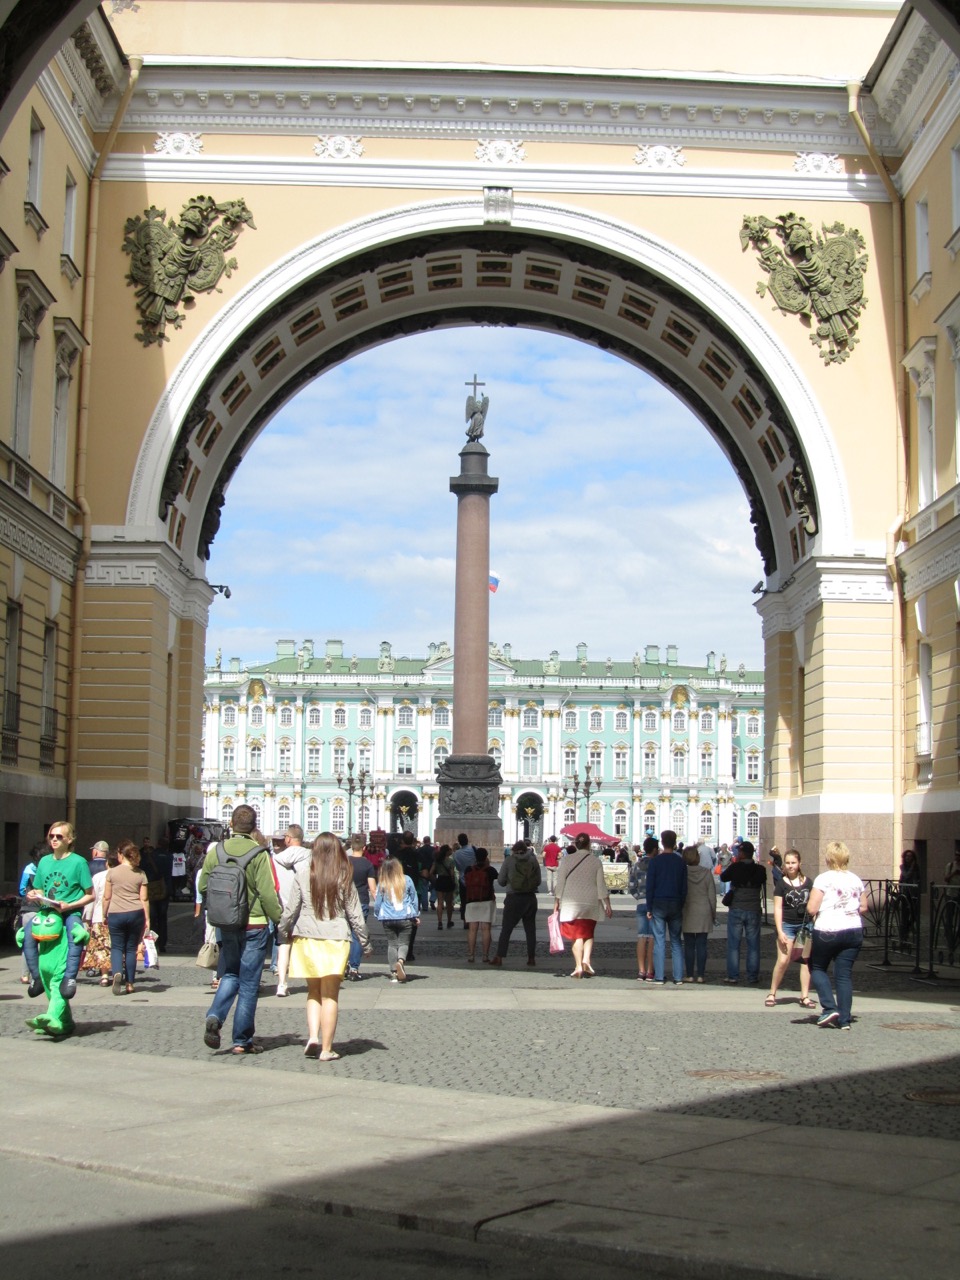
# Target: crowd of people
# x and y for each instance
(304, 910)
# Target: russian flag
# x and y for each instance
(494, 581)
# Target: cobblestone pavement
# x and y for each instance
(708, 1050)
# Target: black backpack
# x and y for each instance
(227, 901)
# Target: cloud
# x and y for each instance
(618, 520)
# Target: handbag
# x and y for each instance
(802, 943)
(727, 898)
(553, 929)
(208, 957)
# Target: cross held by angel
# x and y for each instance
(476, 411)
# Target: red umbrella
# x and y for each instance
(590, 829)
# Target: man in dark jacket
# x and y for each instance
(746, 879)
(666, 894)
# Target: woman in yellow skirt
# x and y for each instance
(321, 909)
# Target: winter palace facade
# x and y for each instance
(348, 744)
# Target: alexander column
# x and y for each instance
(469, 778)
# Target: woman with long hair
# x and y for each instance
(397, 907)
(443, 877)
(322, 910)
(126, 911)
(790, 897)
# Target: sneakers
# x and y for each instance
(35, 988)
(68, 988)
(281, 989)
(699, 979)
(828, 1019)
(353, 975)
(117, 983)
(211, 1032)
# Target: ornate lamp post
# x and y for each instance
(590, 784)
(362, 779)
(381, 796)
(351, 788)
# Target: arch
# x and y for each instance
(556, 268)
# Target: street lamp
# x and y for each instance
(381, 795)
(362, 778)
(590, 785)
(351, 788)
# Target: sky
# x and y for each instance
(618, 522)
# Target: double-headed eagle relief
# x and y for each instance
(172, 261)
(818, 276)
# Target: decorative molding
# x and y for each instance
(497, 205)
(179, 145)
(920, 363)
(547, 179)
(66, 117)
(930, 560)
(659, 157)
(34, 299)
(7, 249)
(922, 287)
(500, 151)
(68, 269)
(949, 321)
(126, 565)
(338, 147)
(24, 532)
(924, 145)
(34, 219)
(819, 581)
(818, 163)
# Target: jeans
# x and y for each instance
(356, 946)
(667, 917)
(242, 952)
(74, 949)
(518, 907)
(695, 954)
(126, 930)
(551, 878)
(747, 923)
(842, 948)
(399, 935)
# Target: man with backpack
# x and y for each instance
(240, 885)
(520, 873)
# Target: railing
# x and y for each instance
(11, 712)
(943, 937)
(894, 921)
(48, 723)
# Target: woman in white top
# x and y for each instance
(838, 903)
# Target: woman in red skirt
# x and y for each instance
(582, 898)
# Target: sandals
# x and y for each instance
(312, 1050)
(104, 981)
(807, 1003)
(239, 1050)
(332, 1056)
(577, 973)
(588, 972)
(770, 1001)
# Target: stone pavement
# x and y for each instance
(689, 1130)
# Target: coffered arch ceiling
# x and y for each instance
(280, 336)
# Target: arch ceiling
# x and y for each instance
(409, 273)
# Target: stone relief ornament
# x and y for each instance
(338, 147)
(180, 145)
(817, 163)
(817, 277)
(659, 157)
(500, 151)
(172, 261)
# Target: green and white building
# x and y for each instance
(351, 743)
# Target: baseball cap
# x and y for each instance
(100, 847)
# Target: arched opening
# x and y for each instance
(530, 817)
(404, 809)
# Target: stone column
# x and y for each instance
(469, 778)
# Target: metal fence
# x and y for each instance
(943, 933)
(894, 924)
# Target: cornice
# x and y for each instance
(471, 176)
(29, 532)
(848, 581)
(67, 118)
(931, 560)
(126, 565)
(933, 133)
(541, 105)
(912, 75)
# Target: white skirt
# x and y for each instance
(480, 912)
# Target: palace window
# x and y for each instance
(735, 821)
(339, 758)
(569, 815)
(649, 762)
(366, 718)
(229, 757)
(753, 726)
(619, 822)
(706, 763)
(313, 817)
(496, 751)
(679, 721)
(620, 722)
(256, 716)
(256, 759)
(596, 721)
(339, 717)
(286, 717)
(364, 758)
(649, 722)
(285, 758)
(313, 718)
(734, 764)
(338, 818)
(753, 766)
(679, 764)
(706, 823)
(229, 716)
(441, 717)
(440, 753)
(283, 817)
(313, 759)
(706, 722)
(405, 759)
(595, 759)
(679, 819)
(531, 718)
(570, 721)
(620, 764)
(365, 818)
(405, 717)
(495, 718)
(649, 821)
(753, 825)
(226, 812)
(255, 806)
(570, 761)
(531, 762)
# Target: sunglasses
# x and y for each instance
(55, 835)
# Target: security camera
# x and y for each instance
(226, 593)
